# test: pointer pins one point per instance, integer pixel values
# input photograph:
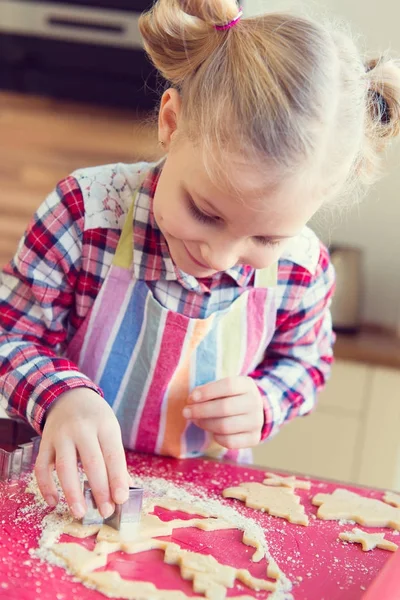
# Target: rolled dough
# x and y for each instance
(209, 577)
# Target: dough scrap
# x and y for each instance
(277, 501)
(393, 499)
(343, 504)
(369, 541)
(254, 543)
(79, 559)
(172, 505)
(152, 526)
(273, 571)
(255, 583)
(109, 540)
(76, 529)
(289, 482)
(208, 576)
(111, 584)
(188, 508)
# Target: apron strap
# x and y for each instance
(123, 256)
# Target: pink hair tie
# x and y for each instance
(231, 23)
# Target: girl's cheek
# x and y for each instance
(182, 226)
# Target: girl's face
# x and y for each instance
(209, 230)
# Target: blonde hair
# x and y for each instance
(278, 88)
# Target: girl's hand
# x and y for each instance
(231, 409)
(81, 424)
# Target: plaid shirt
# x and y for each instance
(49, 287)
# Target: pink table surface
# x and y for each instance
(320, 566)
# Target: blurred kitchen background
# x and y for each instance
(77, 90)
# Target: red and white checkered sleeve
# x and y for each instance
(37, 296)
(298, 359)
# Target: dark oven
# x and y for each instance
(86, 50)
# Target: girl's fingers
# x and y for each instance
(44, 468)
(67, 471)
(217, 408)
(229, 425)
(223, 388)
(240, 440)
(115, 462)
(95, 469)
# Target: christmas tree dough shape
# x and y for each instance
(277, 501)
(343, 504)
(289, 482)
(369, 541)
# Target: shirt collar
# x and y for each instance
(151, 258)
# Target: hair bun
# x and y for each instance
(213, 12)
(178, 35)
(384, 95)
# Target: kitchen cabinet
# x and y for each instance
(352, 436)
(380, 450)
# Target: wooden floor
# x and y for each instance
(43, 140)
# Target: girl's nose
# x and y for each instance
(221, 257)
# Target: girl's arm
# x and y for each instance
(45, 293)
(298, 359)
(38, 291)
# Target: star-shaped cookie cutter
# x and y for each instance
(124, 514)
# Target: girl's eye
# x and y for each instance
(263, 241)
(200, 216)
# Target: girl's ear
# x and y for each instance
(168, 117)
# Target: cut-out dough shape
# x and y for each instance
(288, 482)
(208, 575)
(392, 499)
(277, 501)
(343, 504)
(369, 541)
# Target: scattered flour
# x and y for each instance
(53, 524)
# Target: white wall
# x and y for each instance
(375, 224)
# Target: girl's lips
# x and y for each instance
(196, 261)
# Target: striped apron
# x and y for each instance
(147, 359)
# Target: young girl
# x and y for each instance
(182, 308)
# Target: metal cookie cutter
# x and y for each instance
(125, 514)
(19, 447)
